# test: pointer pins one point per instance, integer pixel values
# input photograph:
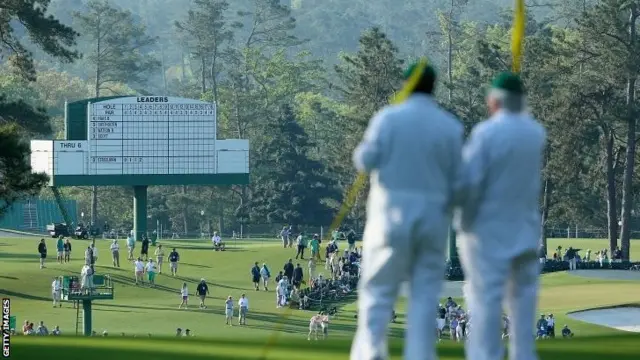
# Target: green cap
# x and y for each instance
(428, 71)
(508, 82)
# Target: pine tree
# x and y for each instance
(290, 186)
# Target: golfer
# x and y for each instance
(412, 152)
(56, 292)
(159, 253)
(115, 253)
(499, 222)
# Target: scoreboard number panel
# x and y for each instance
(151, 135)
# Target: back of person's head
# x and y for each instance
(427, 81)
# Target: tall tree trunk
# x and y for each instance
(183, 66)
(214, 77)
(627, 183)
(185, 212)
(546, 204)
(203, 75)
(450, 53)
(612, 203)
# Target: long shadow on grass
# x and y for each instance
(23, 295)
(196, 265)
(8, 277)
(17, 256)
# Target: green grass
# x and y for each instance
(141, 311)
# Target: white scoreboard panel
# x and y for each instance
(151, 135)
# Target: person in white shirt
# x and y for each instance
(314, 323)
(139, 270)
(217, 242)
(324, 323)
(551, 326)
(243, 304)
(228, 306)
(42, 329)
(184, 292)
(498, 222)
(159, 257)
(87, 278)
(151, 272)
(115, 253)
(56, 331)
(56, 290)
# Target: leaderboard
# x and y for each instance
(151, 135)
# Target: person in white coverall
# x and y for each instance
(499, 223)
(412, 152)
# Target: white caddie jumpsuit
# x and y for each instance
(412, 152)
(499, 232)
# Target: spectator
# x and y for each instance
(60, 249)
(302, 244)
(159, 253)
(94, 250)
(229, 310)
(284, 235)
(279, 277)
(139, 270)
(571, 258)
(151, 272)
(42, 329)
(115, 253)
(298, 276)
(56, 331)
(542, 254)
(67, 250)
(184, 293)
(541, 327)
(566, 332)
(315, 247)
(42, 250)
(288, 269)
(202, 290)
(174, 257)
(551, 326)
(243, 304)
(265, 274)
(131, 245)
(56, 290)
(255, 276)
(144, 250)
(351, 240)
(312, 268)
(218, 245)
(88, 255)
(587, 256)
(178, 332)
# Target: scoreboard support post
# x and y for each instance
(139, 211)
(453, 247)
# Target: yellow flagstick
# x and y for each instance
(352, 194)
(517, 35)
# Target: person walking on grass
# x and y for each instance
(151, 272)
(67, 250)
(139, 270)
(60, 250)
(255, 276)
(302, 244)
(94, 251)
(42, 250)
(131, 245)
(228, 304)
(144, 250)
(184, 292)
(115, 253)
(266, 275)
(243, 304)
(202, 290)
(159, 253)
(56, 290)
(174, 257)
(315, 247)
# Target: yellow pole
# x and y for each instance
(517, 35)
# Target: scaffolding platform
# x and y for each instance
(101, 289)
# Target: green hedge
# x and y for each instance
(454, 270)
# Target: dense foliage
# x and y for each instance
(301, 78)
